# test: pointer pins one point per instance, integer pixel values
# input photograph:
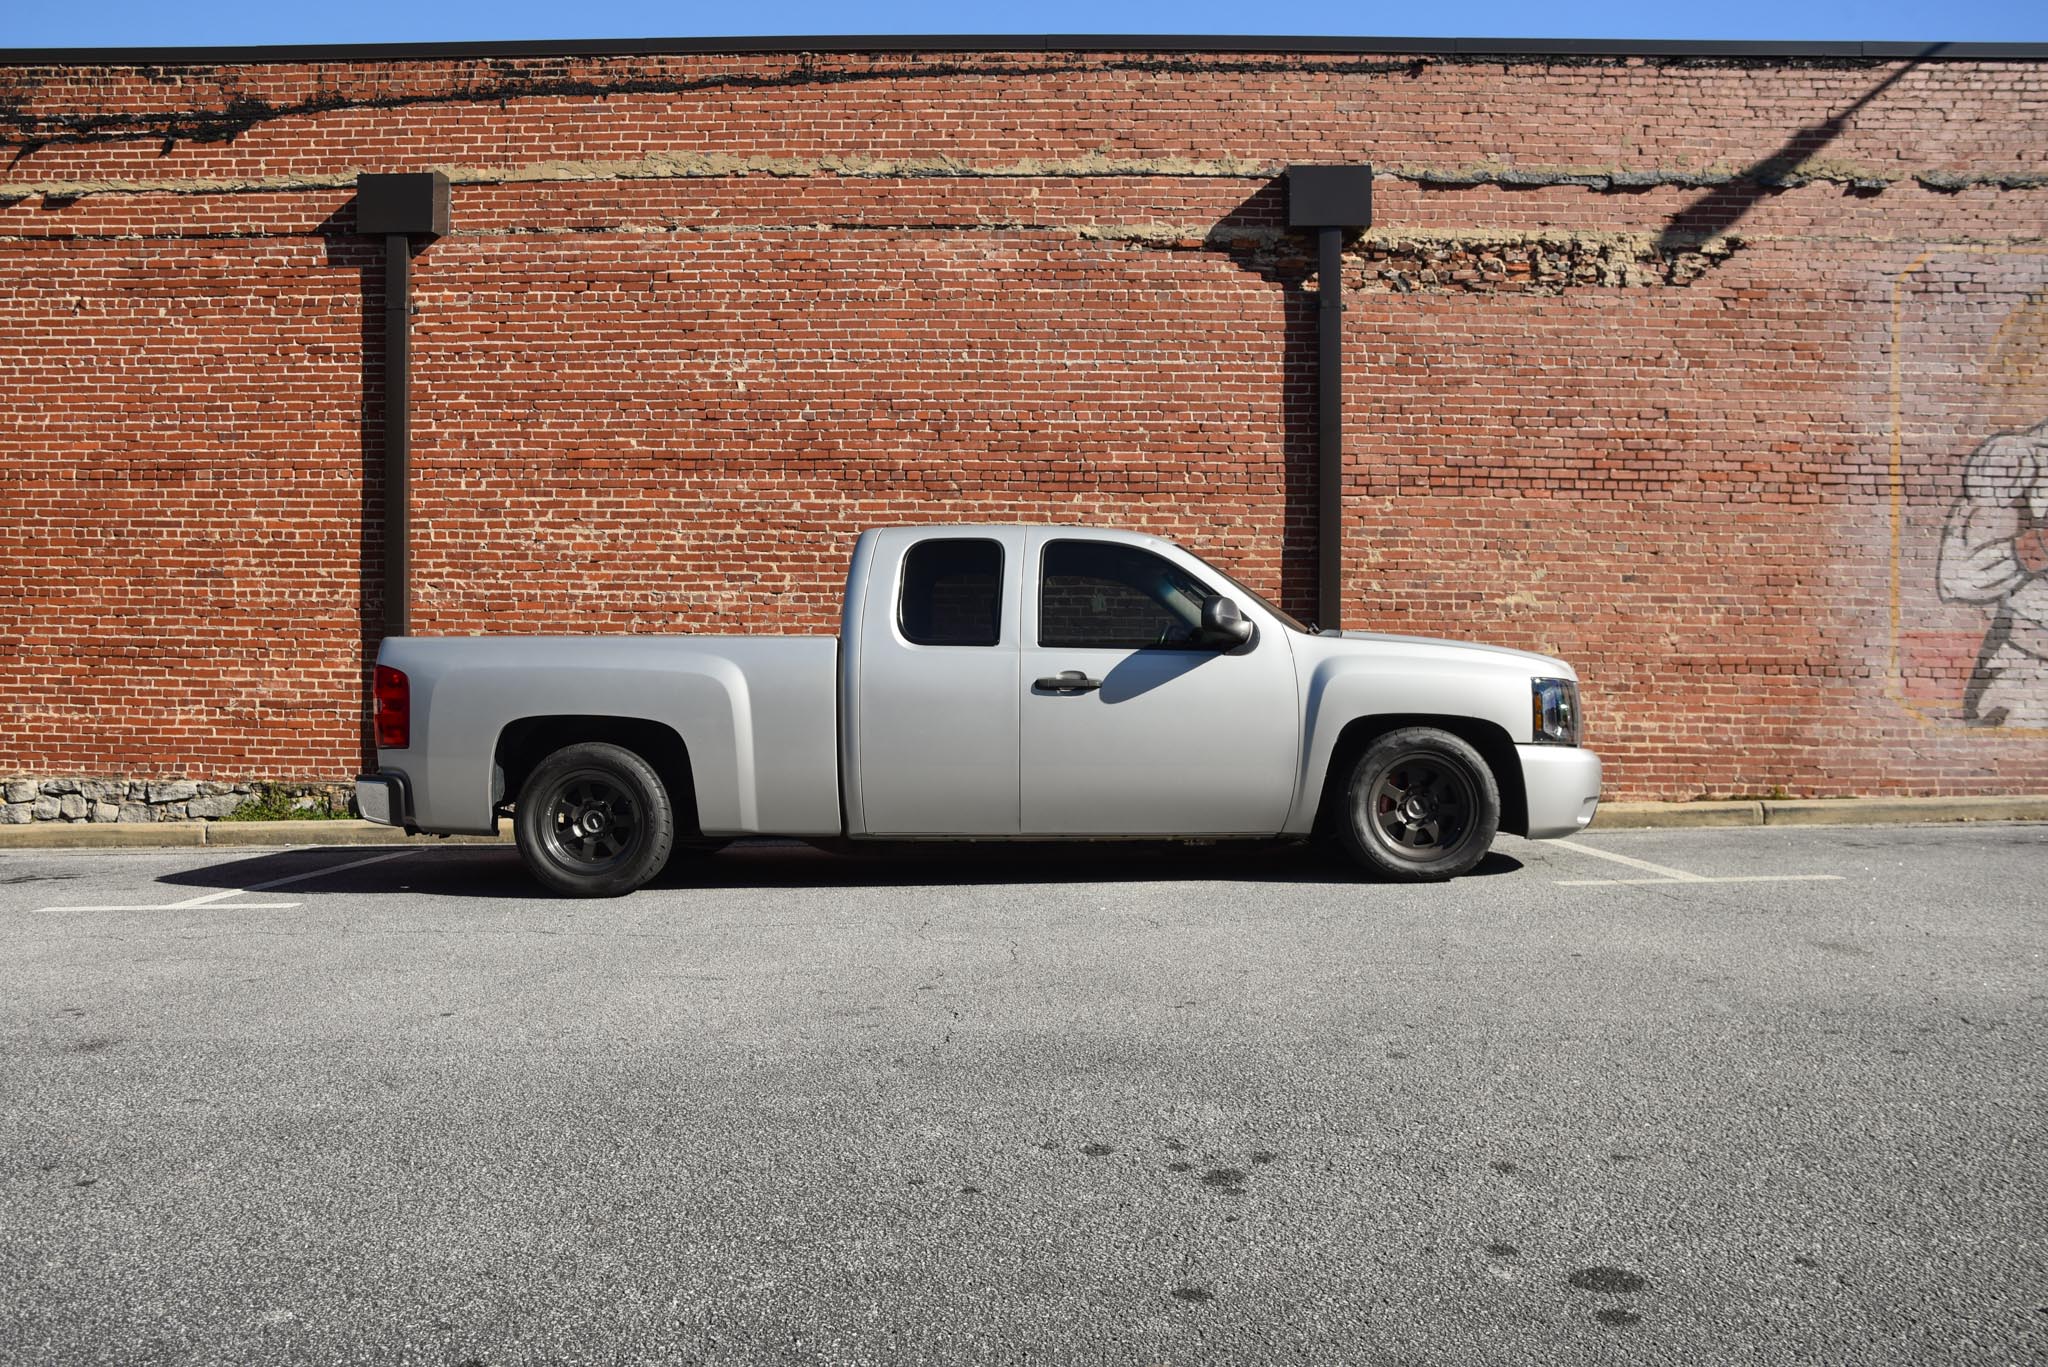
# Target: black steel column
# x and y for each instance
(397, 433)
(1332, 200)
(399, 208)
(1330, 428)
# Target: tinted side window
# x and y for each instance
(1106, 597)
(952, 593)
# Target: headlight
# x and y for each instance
(1554, 706)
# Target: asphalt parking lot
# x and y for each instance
(1688, 1096)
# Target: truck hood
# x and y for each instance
(1545, 666)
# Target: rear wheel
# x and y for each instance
(1421, 806)
(594, 820)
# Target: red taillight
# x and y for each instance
(393, 692)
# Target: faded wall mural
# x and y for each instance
(1995, 554)
(1970, 487)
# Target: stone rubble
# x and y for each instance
(103, 800)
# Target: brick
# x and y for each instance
(1623, 392)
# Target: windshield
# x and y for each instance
(1286, 619)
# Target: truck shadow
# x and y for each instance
(495, 871)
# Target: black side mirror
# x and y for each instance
(1223, 626)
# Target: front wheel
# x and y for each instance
(594, 820)
(1421, 806)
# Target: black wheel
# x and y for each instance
(1421, 806)
(594, 820)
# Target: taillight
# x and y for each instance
(393, 692)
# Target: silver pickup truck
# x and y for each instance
(987, 683)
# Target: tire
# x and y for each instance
(594, 820)
(1420, 806)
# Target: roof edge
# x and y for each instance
(1513, 48)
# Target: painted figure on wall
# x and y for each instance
(1994, 553)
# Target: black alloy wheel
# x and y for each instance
(592, 823)
(594, 820)
(1421, 806)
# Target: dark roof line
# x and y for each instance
(1531, 48)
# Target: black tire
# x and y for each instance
(594, 820)
(1420, 806)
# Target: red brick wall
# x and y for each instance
(1687, 400)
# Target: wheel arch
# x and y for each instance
(1488, 738)
(523, 743)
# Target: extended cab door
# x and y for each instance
(935, 706)
(1152, 734)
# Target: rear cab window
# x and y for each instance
(952, 593)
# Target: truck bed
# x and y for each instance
(757, 713)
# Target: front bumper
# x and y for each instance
(1562, 783)
(384, 799)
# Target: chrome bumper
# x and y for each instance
(1562, 783)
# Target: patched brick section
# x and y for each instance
(1623, 380)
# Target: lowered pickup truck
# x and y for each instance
(988, 683)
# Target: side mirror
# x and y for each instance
(1223, 626)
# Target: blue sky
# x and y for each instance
(130, 22)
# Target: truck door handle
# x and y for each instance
(1068, 681)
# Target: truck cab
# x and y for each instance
(1048, 682)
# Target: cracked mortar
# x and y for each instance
(1816, 171)
(497, 81)
(1094, 165)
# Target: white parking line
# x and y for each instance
(1742, 878)
(206, 899)
(175, 906)
(1666, 874)
(299, 877)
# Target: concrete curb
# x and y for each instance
(56, 835)
(1884, 811)
(67, 835)
(1845, 811)
(1614, 816)
(1621, 815)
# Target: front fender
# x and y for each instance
(1343, 689)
